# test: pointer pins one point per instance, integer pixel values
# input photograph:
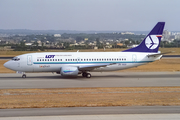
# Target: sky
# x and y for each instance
(86, 15)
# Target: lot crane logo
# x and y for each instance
(49, 56)
(152, 41)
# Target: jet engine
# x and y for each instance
(69, 71)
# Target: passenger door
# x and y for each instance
(29, 60)
(29, 67)
(134, 58)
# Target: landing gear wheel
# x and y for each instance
(84, 74)
(88, 75)
(24, 76)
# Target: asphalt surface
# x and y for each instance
(105, 79)
(89, 111)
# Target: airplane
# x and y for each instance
(73, 63)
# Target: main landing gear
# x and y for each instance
(88, 75)
(24, 76)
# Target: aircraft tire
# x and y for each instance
(84, 74)
(23, 76)
(88, 75)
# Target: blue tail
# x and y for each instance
(151, 42)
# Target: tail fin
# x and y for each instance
(151, 42)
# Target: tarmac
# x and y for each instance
(101, 117)
(67, 111)
(105, 79)
(93, 113)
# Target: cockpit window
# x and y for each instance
(16, 59)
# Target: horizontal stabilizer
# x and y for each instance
(159, 54)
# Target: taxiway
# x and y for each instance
(90, 111)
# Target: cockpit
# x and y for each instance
(16, 59)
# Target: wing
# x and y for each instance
(91, 67)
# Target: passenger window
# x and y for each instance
(50, 59)
(55, 59)
(37, 59)
(42, 59)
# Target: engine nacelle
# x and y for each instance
(69, 71)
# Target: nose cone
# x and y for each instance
(10, 65)
(7, 65)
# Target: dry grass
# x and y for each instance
(176, 51)
(15, 53)
(159, 65)
(81, 97)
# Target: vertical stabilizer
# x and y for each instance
(152, 40)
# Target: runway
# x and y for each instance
(105, 79)
(90, 111)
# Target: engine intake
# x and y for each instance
(69, 71)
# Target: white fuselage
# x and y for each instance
(53, 61)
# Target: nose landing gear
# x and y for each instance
(24, 76)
